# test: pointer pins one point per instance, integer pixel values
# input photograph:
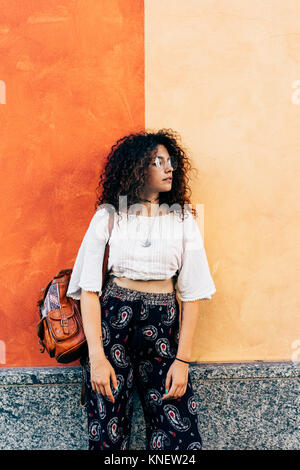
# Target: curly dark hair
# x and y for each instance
(125, 171)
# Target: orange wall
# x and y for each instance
(74, 78)
(224, 74)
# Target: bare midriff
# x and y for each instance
(156, 286)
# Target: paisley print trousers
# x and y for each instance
(140, 338)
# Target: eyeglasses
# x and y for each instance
(159, 162)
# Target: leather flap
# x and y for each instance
(60, 313)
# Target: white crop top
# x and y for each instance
(176, 247)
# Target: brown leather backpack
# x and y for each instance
(60, 329)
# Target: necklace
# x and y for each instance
(147, 242)
(147, 200)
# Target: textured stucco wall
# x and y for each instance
(74, 81)
(224, 74)
(75, 76)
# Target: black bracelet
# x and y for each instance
(181, 360)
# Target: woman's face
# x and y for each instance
(156, 180)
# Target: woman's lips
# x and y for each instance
(168, 179)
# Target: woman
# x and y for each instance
(132, 324)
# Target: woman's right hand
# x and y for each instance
(101, 373)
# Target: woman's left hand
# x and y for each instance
(178, 372)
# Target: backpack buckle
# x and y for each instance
(64, 322)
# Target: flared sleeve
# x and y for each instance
(194, 280)
(87, 269)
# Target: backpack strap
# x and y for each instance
(106, 253)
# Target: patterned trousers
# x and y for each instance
(140, 337)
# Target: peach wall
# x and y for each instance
(224, 74)
(73, 75)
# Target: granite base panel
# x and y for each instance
(241, 406)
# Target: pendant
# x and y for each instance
(146, 243)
